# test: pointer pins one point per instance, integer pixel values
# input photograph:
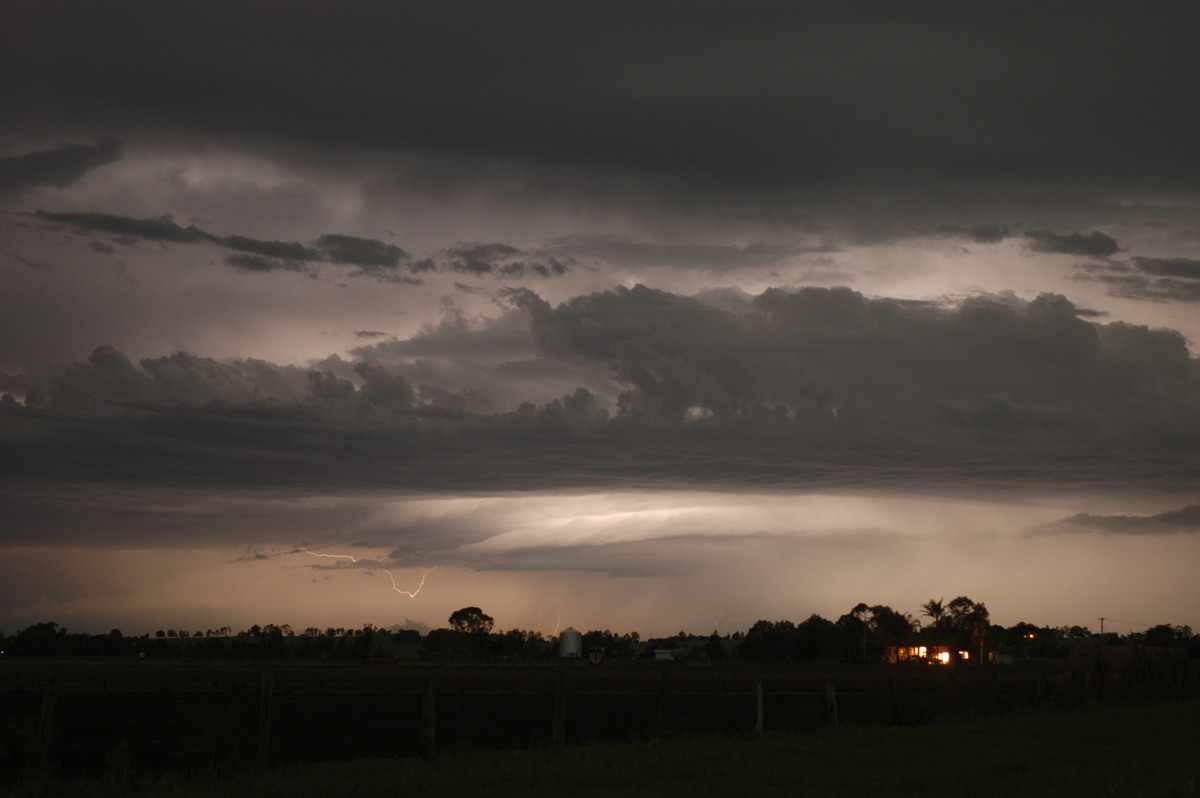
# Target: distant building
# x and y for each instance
(931, 655)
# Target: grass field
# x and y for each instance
(1127, 750)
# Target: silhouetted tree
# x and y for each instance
(715, 647)
(442, 642)
(42, 639)
(1022, 638)
(890, 627)
(767, 640)
(855, 630)
(935, 610)
(471, 620)
(816, 638)
(969, 621)
(1166, 635)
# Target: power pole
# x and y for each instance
(1102, 626)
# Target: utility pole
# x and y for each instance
(1102, 626)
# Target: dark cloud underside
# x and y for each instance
(1093, 245)
(1155, 279)
(58, 167)
(798, 390)
(1172, 522)
(372, 257)
(762, 95)
(163, 228)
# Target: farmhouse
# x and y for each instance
(932, 655)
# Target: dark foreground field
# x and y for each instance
(128, 727)
(1119, 749)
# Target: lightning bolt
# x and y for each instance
(414, 593)
(409, 593)
(333, 556)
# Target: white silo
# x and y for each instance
(570, 644)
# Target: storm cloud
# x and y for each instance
(1094, 244)
(701, 390)
(1184, 521)
(58, 167)
(371, 257)
(772, 62)
(1155, 279)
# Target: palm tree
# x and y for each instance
(935, 609)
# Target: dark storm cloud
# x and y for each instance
(832, 362)
(283, 250)
(1092, 245)
(372, 258)
(370, 254)
(257, 263)
(502, 260)
(1172, 522)
(58, 167)
(813, 389)
(110, 378)
(1155, 279)
(689, 92)
(258, 255)
(163, 228)
(1183, 268)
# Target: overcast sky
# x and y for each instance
(641, 316)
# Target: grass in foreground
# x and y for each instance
(1124, 750)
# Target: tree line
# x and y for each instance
(863, 634)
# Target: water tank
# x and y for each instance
(570, 643)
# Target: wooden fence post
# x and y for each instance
(265, 701)
(558, 727)
(429, 722)
(831, 705)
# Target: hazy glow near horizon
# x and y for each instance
(652, 562)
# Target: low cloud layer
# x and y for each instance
(1184, 521)
(813, 387)
(1094, 244)
(371, 257)
(1155, 279)
(57, 168)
